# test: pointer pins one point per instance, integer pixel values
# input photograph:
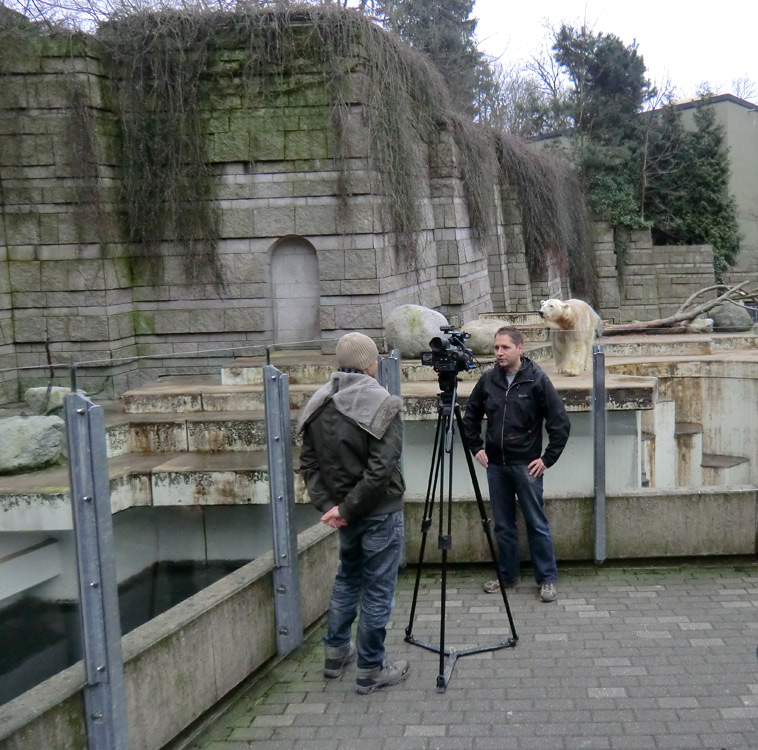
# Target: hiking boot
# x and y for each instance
(373, 678)
(493, 586)
(548, 592)
(335, 657)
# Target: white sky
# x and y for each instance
(688, 42)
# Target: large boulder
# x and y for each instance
(729, 317)
(482, 338)
(409, 329)
(40, 401)
(28, 443)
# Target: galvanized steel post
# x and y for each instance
(598, 433)
(388, 372)
(287, 608)
(104, 695)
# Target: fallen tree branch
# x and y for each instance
(679, 317)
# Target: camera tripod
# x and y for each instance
(449, 415)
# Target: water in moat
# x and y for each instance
(39, 639)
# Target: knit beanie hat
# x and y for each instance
(355, 351)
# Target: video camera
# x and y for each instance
(449, 355)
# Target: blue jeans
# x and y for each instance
(369, 559)
(506, 483)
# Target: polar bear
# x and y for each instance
(574, 324)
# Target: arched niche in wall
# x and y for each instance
(295, 291)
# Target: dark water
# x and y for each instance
(39, 639)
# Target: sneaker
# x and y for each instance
(373, 678)
(493, 586)
(335, 657)
(548, 592)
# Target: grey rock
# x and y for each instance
(482, 332)
(39, 403)
(28, 443)
(410, 327)
(730, 318)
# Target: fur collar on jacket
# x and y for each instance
(358, 397)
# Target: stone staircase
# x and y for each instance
(200, 440)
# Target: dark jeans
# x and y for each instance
(369, 559)
(506, 483)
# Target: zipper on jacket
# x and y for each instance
(505, 409)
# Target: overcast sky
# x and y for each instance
(688, 42)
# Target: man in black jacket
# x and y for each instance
(352, 442)
(517, 398)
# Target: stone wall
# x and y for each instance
(73, 290)
(642, 281)
(306, 245)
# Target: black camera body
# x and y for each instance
(449, 355)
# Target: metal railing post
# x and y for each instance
(598, 434)
(287, 608)
(388, 373)
(104, 694)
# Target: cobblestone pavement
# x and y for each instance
(629, 657)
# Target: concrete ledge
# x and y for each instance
(641, 523)
(182, 662)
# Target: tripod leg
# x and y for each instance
(431, 489)
(486, 523)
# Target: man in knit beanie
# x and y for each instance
(352, 442)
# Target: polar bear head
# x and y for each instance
(552, 310)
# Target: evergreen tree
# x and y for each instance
(444, 30)
(689, 201)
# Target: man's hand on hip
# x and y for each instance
(537, 468)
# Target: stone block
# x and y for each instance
(171, 321)
(29, 329)
(360, 264)
(330, 288)
(357, 316)
(327, 318)
(230, 146)
(321, 219)
(24, 300)
(358, 219)
(118, 273)
(239, 319)
(24, 276)
(267, 145)
(22, 228)
(360, 286)
(13, 95)
(274, 221)
(120, 326)
(249, 268)
(305, 144)
(331, 265)
(88, 328)
(236, 222)
(144, 322)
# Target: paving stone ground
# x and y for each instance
(630, 657)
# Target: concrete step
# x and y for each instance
(316, 368)
(725, 471)
(200, 432)
(518, 319)
(40, 501)
(672, 345)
